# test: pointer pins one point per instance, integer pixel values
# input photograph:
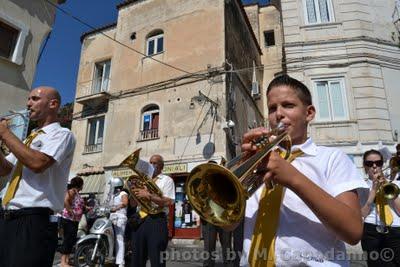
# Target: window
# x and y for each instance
(95, 133)
(101, 76)
(331, 100)
(269, 38)
(12, 35)
(150, 121)
(155, 43)
(9, 37)
(318, 11)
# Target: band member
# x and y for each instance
(150, 238)
(313, 205)
(37, 172)
(381, 216)
(394, 164)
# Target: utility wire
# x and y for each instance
(113, 39)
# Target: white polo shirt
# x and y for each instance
(167, 187)
(301, 237)
(373, 216)
(46, 189)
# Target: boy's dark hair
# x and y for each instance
(372, 151)
(301, 90)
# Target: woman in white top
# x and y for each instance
(380, 241)
(118, 217)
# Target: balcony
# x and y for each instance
(148, 134)
(93, 148)
(94, 92)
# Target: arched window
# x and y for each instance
(155, 42)
(150, 122)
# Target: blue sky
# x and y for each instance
(59, 63)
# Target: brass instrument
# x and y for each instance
(141, 180)
(218, 193)
(3, 148)
(389, 189)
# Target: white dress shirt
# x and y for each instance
(46, 189)
(301, 238)
(167, 187)
(373, 216)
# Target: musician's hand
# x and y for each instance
(142, 193)
(278, 170)
(248, 144)
(3, 127)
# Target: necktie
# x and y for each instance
(262, 250)
(16, 177)
(385, 214)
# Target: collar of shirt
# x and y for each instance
(308, 147)
(49, 128)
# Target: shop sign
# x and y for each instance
(175, 168)
(122, 173)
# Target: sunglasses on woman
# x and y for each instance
(370, 163)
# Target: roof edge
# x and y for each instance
(102, 28)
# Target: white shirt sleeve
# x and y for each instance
(169, 188)
(343, 175)
(58, 145)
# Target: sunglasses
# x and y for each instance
(370, 163)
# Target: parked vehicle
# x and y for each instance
(97, 247)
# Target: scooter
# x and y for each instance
(97, 247)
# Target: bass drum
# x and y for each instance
(84, 251)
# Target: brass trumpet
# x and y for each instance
(390, 190)
(218, 193)
(141, 180)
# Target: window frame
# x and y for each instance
(155, 38)
(343, 92)
(150, 133)
(17, 54)
(318, 13)
(98, 146)
(96, 88)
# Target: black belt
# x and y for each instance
(17, 213)
(158, 215)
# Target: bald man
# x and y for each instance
(150, 239)
(37, 173)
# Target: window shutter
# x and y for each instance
(154, 122)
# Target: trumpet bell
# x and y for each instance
(390, 191)
(216, 194)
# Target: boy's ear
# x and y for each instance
(310, 113)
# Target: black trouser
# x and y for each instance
(238, 243)
(380, 247)
(149, 241)
(27, 238)
(70, 229)
(210, 238)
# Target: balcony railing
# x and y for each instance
(93, 148)
(148, 134)
(96, 86)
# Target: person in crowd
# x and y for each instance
(309, 203)
(210, 233)
(394, 164)
(150, 238)
(91, 204)
(37, 171)
(381, 216)
(119, 204)
(71, 215)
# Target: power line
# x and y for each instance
(113, 39)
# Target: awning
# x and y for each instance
(94, 180)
